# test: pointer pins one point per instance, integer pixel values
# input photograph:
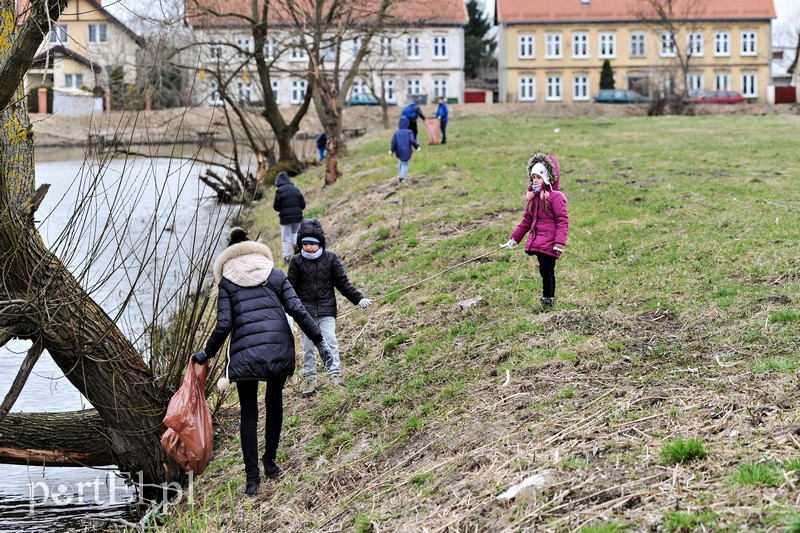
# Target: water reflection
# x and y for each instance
(151, 243)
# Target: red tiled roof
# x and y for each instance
(207, 12)
(518, 11)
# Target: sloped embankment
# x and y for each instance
(658, 395)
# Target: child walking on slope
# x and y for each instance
(546, 220)
(402, 142)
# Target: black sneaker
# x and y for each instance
(271, 469)
(251, 489)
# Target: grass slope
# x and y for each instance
(676, 323)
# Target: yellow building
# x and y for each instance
(554, 51)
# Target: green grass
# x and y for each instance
(764, 474)
(673, 258)
(680, 450)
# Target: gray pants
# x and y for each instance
(327, 324)
(289, 238)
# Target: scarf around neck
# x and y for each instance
(313, 256)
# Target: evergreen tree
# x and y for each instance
(477, 46)
(607, 76)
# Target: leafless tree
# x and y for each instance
(677, 23)
(44, 301)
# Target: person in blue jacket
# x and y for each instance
(253, 300)
(402, 142)
(441, 114)
(412, 112)
(322, 145)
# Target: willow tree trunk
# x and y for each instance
(39, 298)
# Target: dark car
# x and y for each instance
(364, 99)
(619, 96)
(719, 97)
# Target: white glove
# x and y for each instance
(364, 303)
(418, 149)
(390, 152)
(510, 244)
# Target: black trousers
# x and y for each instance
(443, 126)
(547, 269)
(412, 125)
(248, 401)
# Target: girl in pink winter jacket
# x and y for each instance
(545, 220)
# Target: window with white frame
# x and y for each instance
(552, 46)
(298, 91)
(58, 34)
(667, 44)
(722, 43)
(580, 88)
(413, 87)
(722, 81)
(580, 45)
(214, 97)
(412, 48)
(440, 87)
(386, 47)
(554, 88)
(244, 90)
(215, 51)
(388, 90)
(527, 89)
(276, 90)
(244, 45)
(357, 42)
(608, 45)
(328, 49)
(694, 84)
(359, 87)
(297, 52)
(527, 47)
(749, 43)
(98, 33)
(440, 47)
(750, 85)
(269, 49)
(637, 44)
(74, 81)
(695, 44)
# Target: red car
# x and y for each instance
(719, 97)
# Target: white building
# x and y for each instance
(415, 57)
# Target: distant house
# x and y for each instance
(83, 48)
(553, 51)
(418, 56)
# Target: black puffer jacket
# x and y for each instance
(315, 279)
(253, 300)
(289, 201)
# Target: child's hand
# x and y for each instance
(558, 248)
(390, 152)
(364, 303)
(418, 148)
(510, 244)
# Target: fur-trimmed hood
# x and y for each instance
(550, 163)
(247, 264)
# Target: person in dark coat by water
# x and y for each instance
(289, 203)
(252, 303)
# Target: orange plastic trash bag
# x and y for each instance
(434, 130)
(188, 419)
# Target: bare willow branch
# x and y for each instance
(22, 377)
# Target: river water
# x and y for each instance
(126, 232)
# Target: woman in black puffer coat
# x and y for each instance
(254, 298)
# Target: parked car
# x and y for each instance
(719, 97)
(364, 99)
(619, 96)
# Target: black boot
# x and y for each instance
(547, 303)
(271, 469)
(251, 489)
